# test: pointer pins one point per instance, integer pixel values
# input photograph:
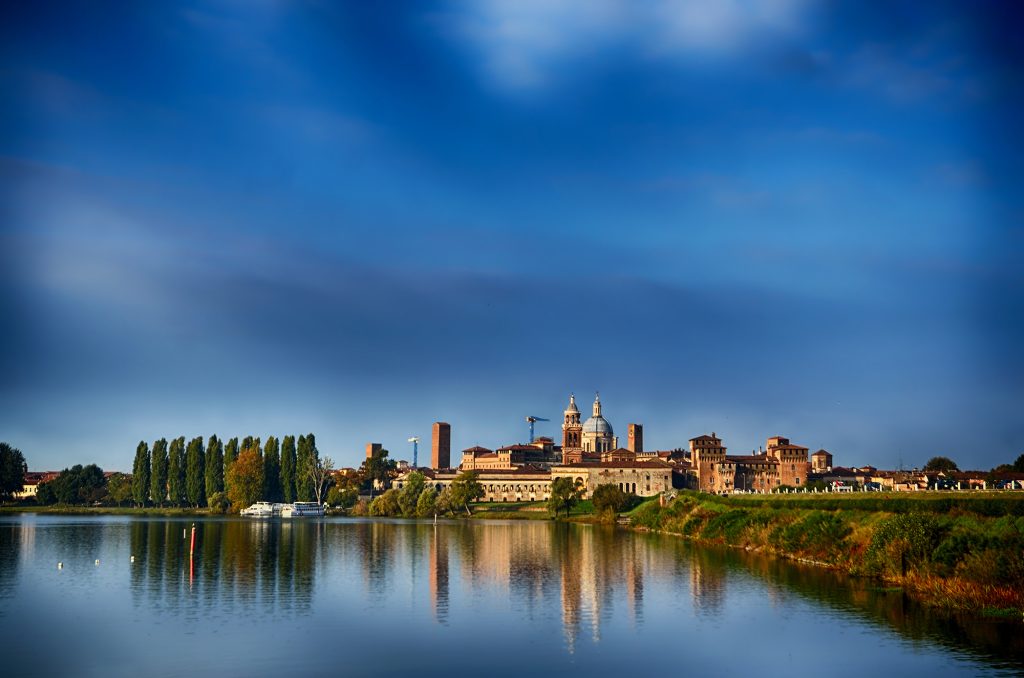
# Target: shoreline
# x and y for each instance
(842, 540)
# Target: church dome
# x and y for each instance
(597, 424)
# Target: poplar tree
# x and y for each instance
(158, 477)
(140, 474)
(195, 468)
(303, 464)
(214, 466)
(271, 470)
(230, 454)
(288, 469)
(176, 472)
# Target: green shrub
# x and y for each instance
(903, 543)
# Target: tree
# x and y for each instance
(119, 488)
(937, 464)
(214, 475)
(305, 460)
(386, 504)
(426, 505)
(409, 495)
(443, 503)
(12, 470)
(81, 484)
(288, 469)
(610, 498)
(245, 479)
(272, 470)
(342, 497)
(158, 476)
(195, 472)
(230, 454)
(1018, 465)
(466, 488)
(320, 474)
(140, 475)
(564, 495)
(176, 472)
(377, 470)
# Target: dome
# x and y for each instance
(597, 424)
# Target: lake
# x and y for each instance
(485, 598)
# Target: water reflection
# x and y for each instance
(580, 594)
(237, 568)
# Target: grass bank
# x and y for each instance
(961, 553)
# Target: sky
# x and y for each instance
(761, 217)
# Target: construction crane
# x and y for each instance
(531, 420)
(415, 440)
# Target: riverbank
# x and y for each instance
(956, 553)
(61, 509)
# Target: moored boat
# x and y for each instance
(301, 509)
(261, 509)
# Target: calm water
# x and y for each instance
(349, 597)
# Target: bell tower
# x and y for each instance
(572, 433)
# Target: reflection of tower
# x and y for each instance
(570, 594)
(439, 577)
(572, 433)
(635, 588)
(441, 446)
(706, 585)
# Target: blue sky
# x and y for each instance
(755, 218)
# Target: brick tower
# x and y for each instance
(441, 446)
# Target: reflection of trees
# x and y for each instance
(988, 638)
(11, 537)
(239, 567)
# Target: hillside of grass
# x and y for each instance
(960, 554)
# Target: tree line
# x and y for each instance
(236, 472)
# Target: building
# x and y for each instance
(572, 431)
(30, 486)
(598, 435)
(441, 446)
(643, 478)
(793, 466)
(524, 483)
(821, 462)
(372, 449)
(635, 442)
(712, 470)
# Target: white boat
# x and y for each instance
(302, 509)
(261, 509)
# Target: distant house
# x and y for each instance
(33, 479)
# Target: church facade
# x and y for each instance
(595, 436)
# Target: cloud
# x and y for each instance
(522, 43)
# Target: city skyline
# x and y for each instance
(773, 218)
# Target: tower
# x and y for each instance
(636, 438)
(572, 432)
(372, 449)
(441, 446)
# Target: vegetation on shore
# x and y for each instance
(960, 553)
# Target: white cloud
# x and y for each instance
(521, 43)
